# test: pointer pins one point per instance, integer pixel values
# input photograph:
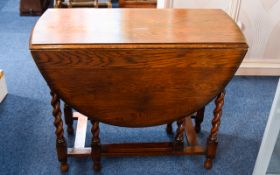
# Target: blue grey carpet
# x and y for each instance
(27, 142)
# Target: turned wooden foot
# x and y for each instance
(61, 145)
(208, 163)
(64, 167)
(212, 142)
(68, 115)
(199, 119)
(179, 137)
(95, 146)
(169, 129)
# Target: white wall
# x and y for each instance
(199, 3)
(261, 20)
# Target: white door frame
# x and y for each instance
(270, 136)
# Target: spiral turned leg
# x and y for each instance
(61, 145)
(199, 119)
(169, 129)
(212, 139)
(68, 115)
(179, 137)
(95, 146)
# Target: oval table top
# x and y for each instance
(114, 27)
(137, 67)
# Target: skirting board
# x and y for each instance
(259, 67)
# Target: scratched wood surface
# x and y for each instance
(146, 67)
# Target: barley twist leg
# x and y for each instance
(61, 145)
(212, 139)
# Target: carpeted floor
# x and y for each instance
(27, 143)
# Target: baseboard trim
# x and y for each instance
(259, 67)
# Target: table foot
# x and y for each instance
(64, 167)
(208, 163)
(97, 166)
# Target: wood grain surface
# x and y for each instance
(109, 27)
(136, 79)
(138, 87)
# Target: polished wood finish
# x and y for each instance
(160, 67)
(142, 99)
(212, 141)
(61, 145)
(181, 57)
(157, 28)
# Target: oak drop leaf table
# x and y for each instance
(137, 68)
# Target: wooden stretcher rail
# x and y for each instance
(138, 149)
